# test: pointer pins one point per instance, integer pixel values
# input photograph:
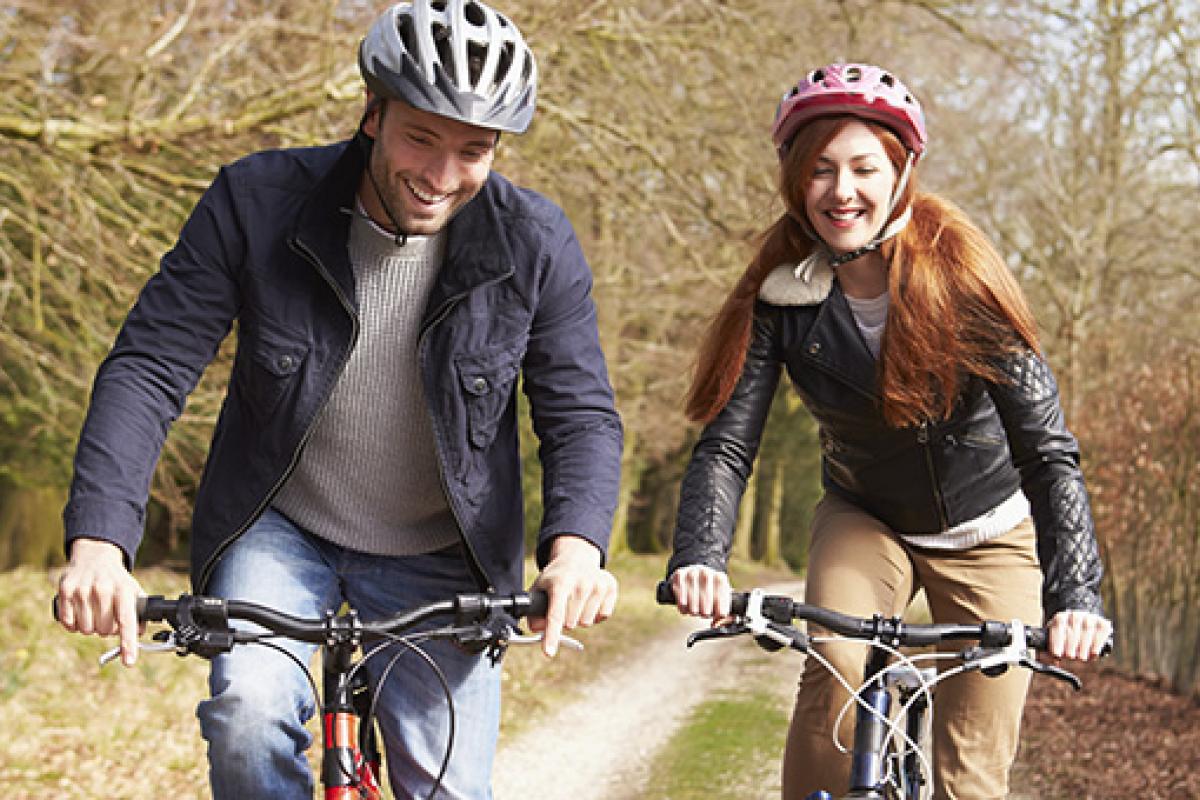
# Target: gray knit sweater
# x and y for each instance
(368, 478)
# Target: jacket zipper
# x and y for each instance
(443, 312)
(923, 439)
(299, 247)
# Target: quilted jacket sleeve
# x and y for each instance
(723, 459)
(1047, 456)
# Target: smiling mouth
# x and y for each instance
(425, 197)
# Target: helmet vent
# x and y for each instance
(818, 76)
(474, 15)
(854, 74)
(441, 40)
(407, 36)
(888, 80)
(504, 62)
(476, 56)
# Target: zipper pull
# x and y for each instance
(923, 433)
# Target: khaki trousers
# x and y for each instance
(858, 566)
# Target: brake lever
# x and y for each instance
(1054, 672)
(164, 642)
(536, 638)
(719, 632)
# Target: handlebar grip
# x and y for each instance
(143, 603)
(539, 603)
(664, 594)
(1037, 638)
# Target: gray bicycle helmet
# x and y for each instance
(456, 58)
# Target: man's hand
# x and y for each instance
(701, 591)
(1078, 634)
(581, 592)
(96, 594)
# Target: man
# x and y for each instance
(388, 292)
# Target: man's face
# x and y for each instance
(426, 167)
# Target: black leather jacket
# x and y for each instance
(1001, 436)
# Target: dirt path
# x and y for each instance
(601, 746)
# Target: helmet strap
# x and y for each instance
(368, 146)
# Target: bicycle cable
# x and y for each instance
(412, 644)
(893, 728)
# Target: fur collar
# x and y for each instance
(806, 284)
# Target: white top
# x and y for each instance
(870, 316)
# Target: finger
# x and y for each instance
(127, 627)
(609, 604)
(1073, 636)
(66, 605)
(590, 609)
(724, 598)
(576, 603)
(706, 596)
(1097, 635)
(712, 593)
(104, 603)
(552, 630)
(1057, 636)
(85, 612)
(679, 586)
(603, 599)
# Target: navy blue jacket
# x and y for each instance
(266, 247)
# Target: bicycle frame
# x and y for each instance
(351, 764)
(868, 765)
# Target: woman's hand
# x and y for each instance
(1078, 635)
(701, 591)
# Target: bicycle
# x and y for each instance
(888, 760)
(351, 762)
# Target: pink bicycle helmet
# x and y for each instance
(859, 89)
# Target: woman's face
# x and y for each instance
(851, 184)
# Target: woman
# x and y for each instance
(946, 464)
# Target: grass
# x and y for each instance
(728, 748)
(76, 732)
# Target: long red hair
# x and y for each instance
(954, 306)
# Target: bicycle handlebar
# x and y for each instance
(202, 621)
(466, 609)
(783, 610)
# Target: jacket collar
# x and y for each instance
(323, 224)
(836, 343)
(478, 250)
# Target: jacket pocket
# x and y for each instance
(271, 359)
(487, 380)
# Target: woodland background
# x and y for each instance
(1069, 130)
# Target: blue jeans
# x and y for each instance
(254, 723)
